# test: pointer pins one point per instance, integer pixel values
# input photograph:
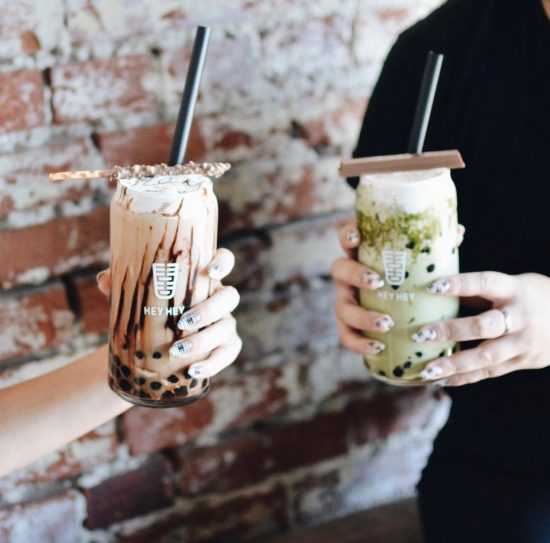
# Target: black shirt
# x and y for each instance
(493, 104)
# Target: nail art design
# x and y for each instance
(180, 348)
(424, 336)
(196, 370)
(353, 237)
(376, 346)
(439, 286)
(442, 383)
(432, 372)
(215, 270)
(373, 280)
(384, 324)
(189, 321)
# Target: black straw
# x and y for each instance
(189, 98)
(425, 102)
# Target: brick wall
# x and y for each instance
(295, 432)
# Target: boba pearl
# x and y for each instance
(173, 378)
(157, 354)
(395, 287)
(193, 383)
(155, 385)
(431, 268)
(140, 381)
(125, 385)
(407, 364)
(140, 355)
(398, 372)
(204, 383)
(126, 371)
(117, 360)
(419, 354)
(167, 395)
(181, 391)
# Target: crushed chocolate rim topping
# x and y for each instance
(214, 169)
(209, 169)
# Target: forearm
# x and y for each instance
(40, 415)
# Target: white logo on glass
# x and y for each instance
(395, 266)
(165, 277)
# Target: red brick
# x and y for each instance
(252, 397)
(259, 513)
(90, 451)
(318, 496)
(131, 494)
(34, 321)
(291, 253)
(299, 186)
(250, 458)
(148, 145)
(94, 21)
(56, 519)
(338, 124)
(100, 89)
(388, 414)
(26, 191)
(26, 29)
(93, 306)
(56, 247)
(21, 106)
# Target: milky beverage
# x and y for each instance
(408, 226)
(163, 236)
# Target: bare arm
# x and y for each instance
(40, 415)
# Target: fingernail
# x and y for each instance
(431, 372)
(376, 346)
(197, 370)
(439, 286)
(189, 321)
(353, 237)
(180, 348)
(373, 280)
(441, 383)
(424, 336)
(100, 275)
(215, 270)
(384, 324)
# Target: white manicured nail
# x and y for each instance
(376, 346)
(441, 383)
(384, 324)
(197, 370)
(189, 321)
(215, 270)
(373, 280)
(424, 336)
(439, 286)
(181, 348)
(432, 372)
(353, 237)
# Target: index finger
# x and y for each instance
(494, 286)
(349, 239)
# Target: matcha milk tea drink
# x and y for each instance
(163, 236)
(408, 226)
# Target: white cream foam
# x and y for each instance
(165, 184)
(413, 191)
(162, 194)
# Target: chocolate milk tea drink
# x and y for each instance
(163, 236)
(408, 226)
